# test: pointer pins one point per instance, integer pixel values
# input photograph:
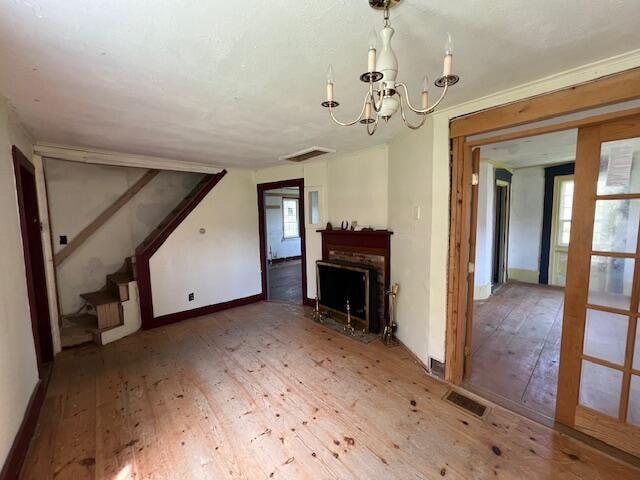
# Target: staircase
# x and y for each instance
(103, 311)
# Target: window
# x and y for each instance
(564, 212)
(314, 207)
(291, 227)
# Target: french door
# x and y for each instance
(599, 378)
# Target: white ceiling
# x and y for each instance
(547, 149)
(240, 82)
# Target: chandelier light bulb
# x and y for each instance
(425, 84)
(330, 74)
(424, 97)
(330, 84)
(448, 57)
(371, 57)
(373, 39)
(448, 46)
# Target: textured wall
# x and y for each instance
(219, 265)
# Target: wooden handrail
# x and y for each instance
(101, 219)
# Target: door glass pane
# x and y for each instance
(633, 413)
(619, 167)
(605, 336)
(610, 281)
(600, 388)
(615, 226)
(560, 269)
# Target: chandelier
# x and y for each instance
(385, 96)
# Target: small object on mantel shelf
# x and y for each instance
(329, 226)
(344, 225)
(354, 224)
(366, 229)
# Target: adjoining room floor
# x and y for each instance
(516, 345)
(262, 392)
(285, 282)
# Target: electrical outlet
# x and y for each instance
(63, 240)
(191, 297)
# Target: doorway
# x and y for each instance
(33, 257)
(514, 321)
(501, 195)
(282, 241)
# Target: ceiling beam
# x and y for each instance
(105, 157)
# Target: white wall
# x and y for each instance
(525, 223)
(219, 265)
(277, 245)
(18, 370)
(78, 193)
(358, 187)
(353, 186)
(485, 231)
(409, 219)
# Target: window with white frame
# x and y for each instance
(290, 224)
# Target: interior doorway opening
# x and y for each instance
(282, 241)
(33, 258)
(524, 210)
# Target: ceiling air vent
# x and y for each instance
(306, 154)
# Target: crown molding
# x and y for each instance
(557, 81)
(106, 157)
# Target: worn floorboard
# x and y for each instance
(263, 392)
(285, 282)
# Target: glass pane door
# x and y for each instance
(599, 386)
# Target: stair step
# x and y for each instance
(101, 297)
(79, 329)
(120, 277)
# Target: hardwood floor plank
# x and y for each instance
(263, 392)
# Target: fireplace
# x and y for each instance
(341, 285)
(370, 249)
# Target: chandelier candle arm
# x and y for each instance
(424, 111)
(384, 98)
(348, 124)
(404, 118)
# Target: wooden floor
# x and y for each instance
(516, 345)
(285, 282)
(262, 392)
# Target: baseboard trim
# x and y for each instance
(286, 259)
(18, 453)
(200, 311)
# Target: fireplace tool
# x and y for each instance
(349, 326)
(389, 332)
(317, 313)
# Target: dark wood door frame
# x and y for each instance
(262, 188)
(33, 257)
